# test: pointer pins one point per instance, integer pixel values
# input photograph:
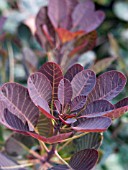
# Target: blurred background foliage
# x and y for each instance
(20, 55)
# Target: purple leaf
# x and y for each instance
(117, 112)
(83, 83)
(77, 103)
(123, 102)
(84, 159)
(64, 92)
(15, 124)
(93, 141)
(53, 139)
(57, 105)
(45, 32)
(97, 108)
(57, 12)
(60, 167)
(54, 74)
(97, 124)
(39, 88)
(72, 71)
(85, 18)
(17, 101)
(7, 162)
(108, 86)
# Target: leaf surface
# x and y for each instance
(84, 43)
(77, 103)
(45, 126)
(97, 124)
(39, 88)
(7, 162)
(57, 12)
(17, 101)
(45, 32)
(54, 74)
(123, 102)
(84, 159)
(88, 141)
(108, 86)
(98, 108)
(64, 92)
(83, 83)
(15, 124)
(87, 19)
(72, 71)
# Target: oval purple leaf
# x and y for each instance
(54, 74)
(72, 71)
(87, 19)
(39, 87)
(97, 108)
(108, 86)
(64, 92)
(83, 83)
(97, 124)
(84, 159)
(77, 103)
(17, 101)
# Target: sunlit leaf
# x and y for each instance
(108, 86)
(64, 92)
(84, 159)
(17, 101)
(7, 163)
(97, 124)
(54, 74)
(97, 108)
(66, 35)
(77, 103)
(72, 71)
(85, 17)
(83, 83)
(88, 141)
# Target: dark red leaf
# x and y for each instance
(17, 101)
(117, 112)
(84, 43)
(123, 102)
(72, 71)
(77, 103)
(84, 159)
(97, 108)
(83, 83)
(64, 92)
(97, 124)
(46, 110)
(39, 88)
(108, 86)
(54, 74)
(53, 139)
(85, 18)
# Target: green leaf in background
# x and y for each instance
(121, 10)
